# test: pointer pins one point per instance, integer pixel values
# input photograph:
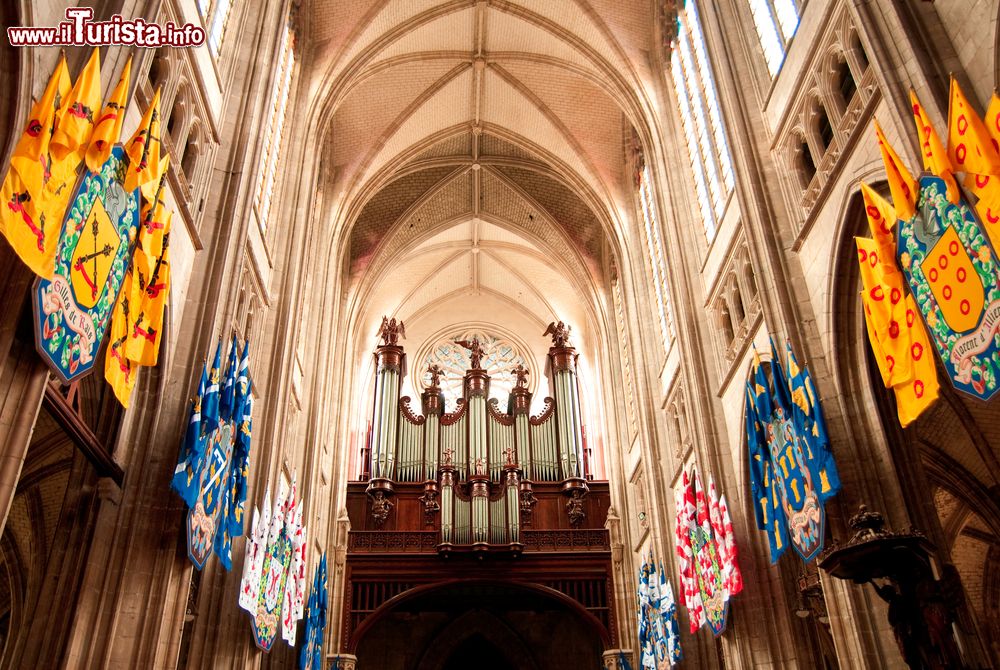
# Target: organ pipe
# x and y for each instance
(481, 456)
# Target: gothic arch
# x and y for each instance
(877, 448)
(561, 601)
(476, 624)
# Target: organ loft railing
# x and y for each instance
(478, 464)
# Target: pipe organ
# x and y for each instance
(478, 459)
(486, 480)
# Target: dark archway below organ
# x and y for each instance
(487, 627)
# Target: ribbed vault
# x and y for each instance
(538, 91)
(474, 160)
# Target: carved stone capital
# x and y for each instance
(611, 659)
(342, 661)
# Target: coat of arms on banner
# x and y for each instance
(792, 478)
(274, 577)
(273, 585)
(73, 309)
(709, 572)
(203, 519)
(953, 274)
(792, 471)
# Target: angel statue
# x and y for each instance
(475, 351)
(435, 371)
(559, 332)
(391, 330)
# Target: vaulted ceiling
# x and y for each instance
(477, 147)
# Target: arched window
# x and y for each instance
(657, 267)
(824, 129)
(726, 323)
(749, 281)
(859, 52)
(845, 82)
(500, 357)
(701, 117)
(807, 166)
(217, 30)
(192, 149)
(274, 132)
(776, 21)
(178, 119)
(157, 74)
(739, 311)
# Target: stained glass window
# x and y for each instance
(654, 249)
(500, 357)
(217, 30)
(701, 118)
(776, 22)
(275, 132)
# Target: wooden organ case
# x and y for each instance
(481, 496)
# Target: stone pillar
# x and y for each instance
(22, 375)
(611, 659)
(343, 662)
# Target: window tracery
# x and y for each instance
(776, 22)
(274, 132)
(184, 113)
(655, 259)
(217, 29)
(701, 118)
(735, 304)
(839, 92)
(499, 358)
(678, 436)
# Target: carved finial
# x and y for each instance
(480, 466)
(435, 371)
(559, 332)
(475, 351)
(391, 330)
(447, 455)
(521, 373)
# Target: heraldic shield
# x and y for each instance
(73, 309)
(708, 572)
(955, 280)
(793, 479)
(203, 519)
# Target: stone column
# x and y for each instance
(343, 662)
(611, 659)
(22, 375)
